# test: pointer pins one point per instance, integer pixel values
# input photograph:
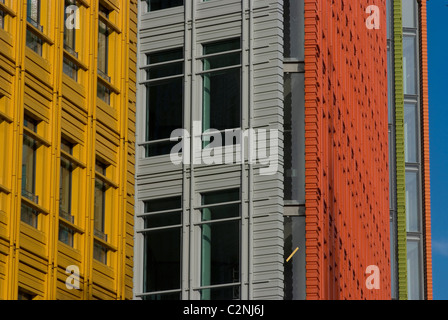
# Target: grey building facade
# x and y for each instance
(210, 229)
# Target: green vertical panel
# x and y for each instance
(400, 156)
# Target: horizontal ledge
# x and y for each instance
(8, 10)
(72, 159)
(71, 225)
(39, 33)
(35, 136)
(106, 180)
(109, 23)
(35, 206)
(4, 189)
(75, 60)
(104, 243)
(4, 116)
(108, 85)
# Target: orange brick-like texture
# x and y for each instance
(425, 154)
(346, 134)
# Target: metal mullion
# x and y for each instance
(153, 65)
(147, 143)
(219, 54)
(175, 226)
(216, 286)
(161, 79)
(146, 214)
(147, 294)
(219, 69)
(217, 221)
(217, 204)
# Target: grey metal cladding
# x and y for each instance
(259, 24)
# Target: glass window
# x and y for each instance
(294, 138)
(389, 12)
(29, 215)
(103, 48)
(390, 86)
(220, 245)
(412, 202)
(23, 295)
(99, 210)
(29, 161)
(414, 270)
(33, 12)
(294, 44)
(66, 234)
(103, 92)
(100, 202)
(154, 5)
(100, 252)
(70, 69)
(410, 132)
(34, 42)
(221, 94)
(164, 100)
(2, 19)
(294, 272)
(393, 260)
(409, 13)
(409, 65)
(103, 45)
(162, 241)
(69, 33)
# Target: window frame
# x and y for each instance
(197, 229)
(203, 72)
(160, 80)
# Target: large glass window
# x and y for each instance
(294, 138)
(69, 67)
(154, 5)
(294, 27)
(29, 215)
(162, 249)
(99, 224)
(100, 203)
(412, 202)
(410, 132)
(410, 64)
(220, 245)
(409, 8)
(103, 48)
(69, 33)
(33, 12)
(33, 17)
(66, 234)
(164, 100)
(104, 31)
(414, 270)
(2, 19)
(221, 94)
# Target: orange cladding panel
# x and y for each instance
(347, 171)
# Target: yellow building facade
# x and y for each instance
(67, 148)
